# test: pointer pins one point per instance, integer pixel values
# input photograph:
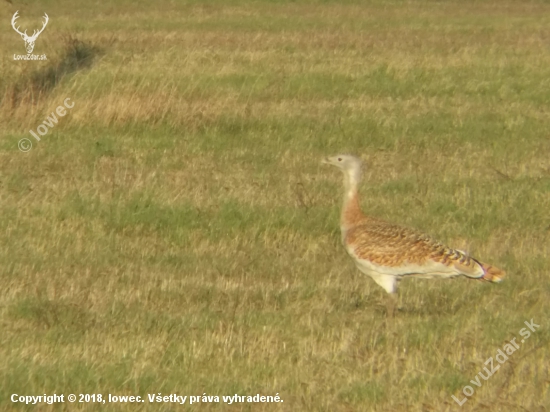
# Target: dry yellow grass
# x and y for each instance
(176, 233)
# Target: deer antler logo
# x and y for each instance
(29, 40)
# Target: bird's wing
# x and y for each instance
(380, 247)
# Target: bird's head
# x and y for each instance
(351, 167)
(347, 163)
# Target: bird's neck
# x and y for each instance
(351, 211)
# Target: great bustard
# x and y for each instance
(388, 252)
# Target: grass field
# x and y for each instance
(176, 233)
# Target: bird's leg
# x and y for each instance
(391, 304)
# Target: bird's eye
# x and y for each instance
(339, 159)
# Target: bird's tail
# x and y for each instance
(492, 274)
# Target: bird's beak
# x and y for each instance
(325, 161)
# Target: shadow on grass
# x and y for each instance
(34, 84)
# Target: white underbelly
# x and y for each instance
(429, 270)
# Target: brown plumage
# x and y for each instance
(388, 252)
